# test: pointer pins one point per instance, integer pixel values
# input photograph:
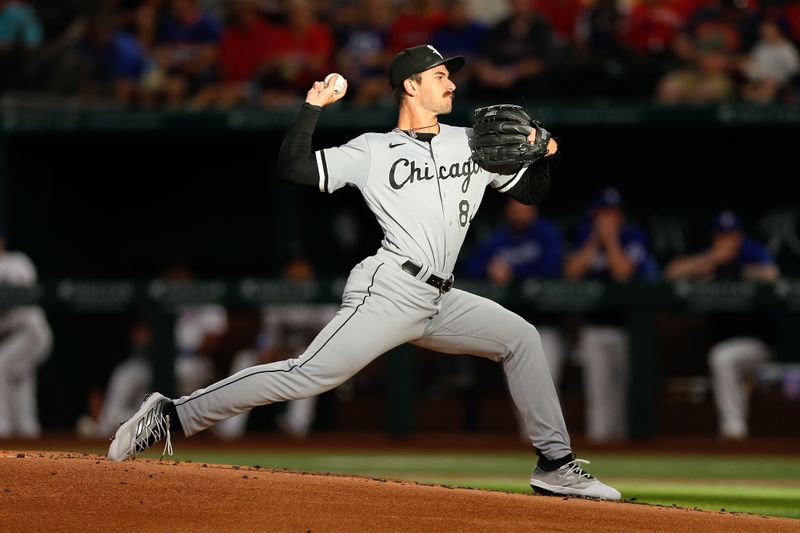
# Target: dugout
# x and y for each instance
(111, 196)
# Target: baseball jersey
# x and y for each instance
(751, 253)
(422, 218)
(759, 324)
(194, 322)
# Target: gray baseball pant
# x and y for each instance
(384, 307)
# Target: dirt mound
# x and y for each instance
(55, 491)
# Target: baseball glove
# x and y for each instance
(500, 142)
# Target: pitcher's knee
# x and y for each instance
(531, 336)
(527, 344)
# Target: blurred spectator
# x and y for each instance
(462, 35)
(708, 46)
(187, 48)
(112, 62)
(287, 330)
(651, 26)
(416, 24)
(362, 52)
(603, 65)
(730, 26)
(607, 248)
(771, 65)
(25, 343)
(707, 79)
(562, 15)
(244, 52)
(303, 49)
(740, 341)
(598, 27)
(515, 56)
(344, 16)
(141, 18)
(527, 246)
(790, 10)
(21, 35)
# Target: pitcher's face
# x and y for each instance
(436, 90)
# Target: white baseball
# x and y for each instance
(340, 81)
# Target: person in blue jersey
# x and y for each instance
(740, 340)
(607, 247)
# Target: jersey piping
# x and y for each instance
(322, 167)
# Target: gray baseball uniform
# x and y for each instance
(424, 196)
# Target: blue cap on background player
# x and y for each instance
(418, 59)
(727, 220)
(606, 197)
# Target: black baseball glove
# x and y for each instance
(500, 142)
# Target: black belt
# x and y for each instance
(442, 284)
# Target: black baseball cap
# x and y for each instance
(418, 59)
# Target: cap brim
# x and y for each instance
(453, 64)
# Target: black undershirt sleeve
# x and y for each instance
(535, 182)
(296, 161)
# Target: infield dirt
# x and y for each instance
(60, 491)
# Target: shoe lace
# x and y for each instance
(168, 444)
(574, 467)
(153, 432)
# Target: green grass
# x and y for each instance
(746, 484)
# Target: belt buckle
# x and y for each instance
(447, 284)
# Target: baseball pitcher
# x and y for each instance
(424, 181)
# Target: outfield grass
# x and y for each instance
(747, 484)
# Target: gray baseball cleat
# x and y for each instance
(145, 428)
(571, 480)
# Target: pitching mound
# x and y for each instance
(53, 491)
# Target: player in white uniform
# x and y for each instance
(197, 327)
(422, 185)
(25, 343)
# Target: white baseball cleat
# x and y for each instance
(145, 428)
(572, 480)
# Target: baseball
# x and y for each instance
(340, 82)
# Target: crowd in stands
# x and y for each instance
(222, 53)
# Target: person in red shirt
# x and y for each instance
(303, 49)
(416, 25)
(244, 51)
(562, 15)
(652, 26)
